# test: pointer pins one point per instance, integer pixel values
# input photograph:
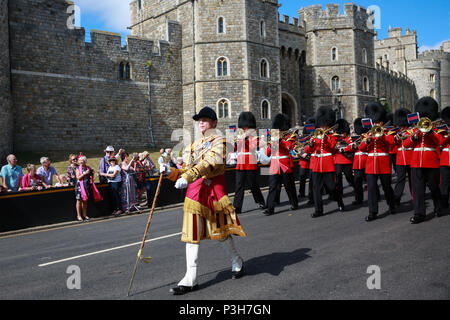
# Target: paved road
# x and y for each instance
(288, 256)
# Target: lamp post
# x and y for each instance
(339, 107)
(152, 141)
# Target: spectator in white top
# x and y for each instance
(114, 179)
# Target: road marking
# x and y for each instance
(107, 250)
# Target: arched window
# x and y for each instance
(121, 70)
(364, 54)
(366, 84)
(334, 54)
(335, 83)
(220, 25)
(127, 71)
(222, 67)
(262, 29)
(140, 4)
(223, 108)
(264, 69)
(433, 93)
(265, 109)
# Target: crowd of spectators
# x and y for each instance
(128, 177)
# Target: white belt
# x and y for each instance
(446, 149)
(424, 149)
(283, 157)
(322, 155)
(361, 154)
(245, 154)
(378, 154)
(405, 149)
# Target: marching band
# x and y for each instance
(416, 145)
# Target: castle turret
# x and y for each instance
(426, 77)
(340, 57)
(6, 141)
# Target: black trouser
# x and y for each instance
(421, 177)
(372, 185)
(275, 181)
(327, 180)
(251, 176)
(401, 181)
(305, 174)
(347, 170)
(115, 191)
(358, 182)
(445, 186)
(393, 158)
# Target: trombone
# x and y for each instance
(321, 133)
(425, 125)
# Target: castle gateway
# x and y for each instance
(59, 92)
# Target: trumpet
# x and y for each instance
(425, 125)
(378, 131)
(321, 133)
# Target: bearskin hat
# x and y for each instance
(359, 129)
(445, 115)
(375, 111)
(281, 122)
(247, 119)
(390, 118)
(343, 126)
(325, 117)
(427, 107)
(401, 117)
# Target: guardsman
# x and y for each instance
(403, 159)
(445, 159)
(425, 164)
(343, 157)
(305, 168)
(247, 167)
(281, 164)
(393, 147)
(378, 164)
(323, 169)
(359, 161)
(208, 212)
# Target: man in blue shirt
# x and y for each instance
(47, 172)
(11, 174)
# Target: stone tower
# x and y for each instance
(6, 141)
(426, 77)
(230, 54)
(340, 58)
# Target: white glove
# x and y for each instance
(181, 183)
(164, 169)
(262, 157)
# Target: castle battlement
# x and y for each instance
(315, 18)
(434, 54)
(291, 24)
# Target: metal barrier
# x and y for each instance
(21, 210)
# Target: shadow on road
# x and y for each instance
(273, 264)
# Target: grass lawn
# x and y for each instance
(60, 159)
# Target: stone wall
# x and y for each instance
(6, 141)
(68, 94)
(419, 71)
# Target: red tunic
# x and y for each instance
(282, 158)
(347, 156)
(378, 161)
(445, 150)
(404, 153)
(323, 151)
(305, 163)
(246, 158)
(425, 152)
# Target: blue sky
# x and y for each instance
(430, 18)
